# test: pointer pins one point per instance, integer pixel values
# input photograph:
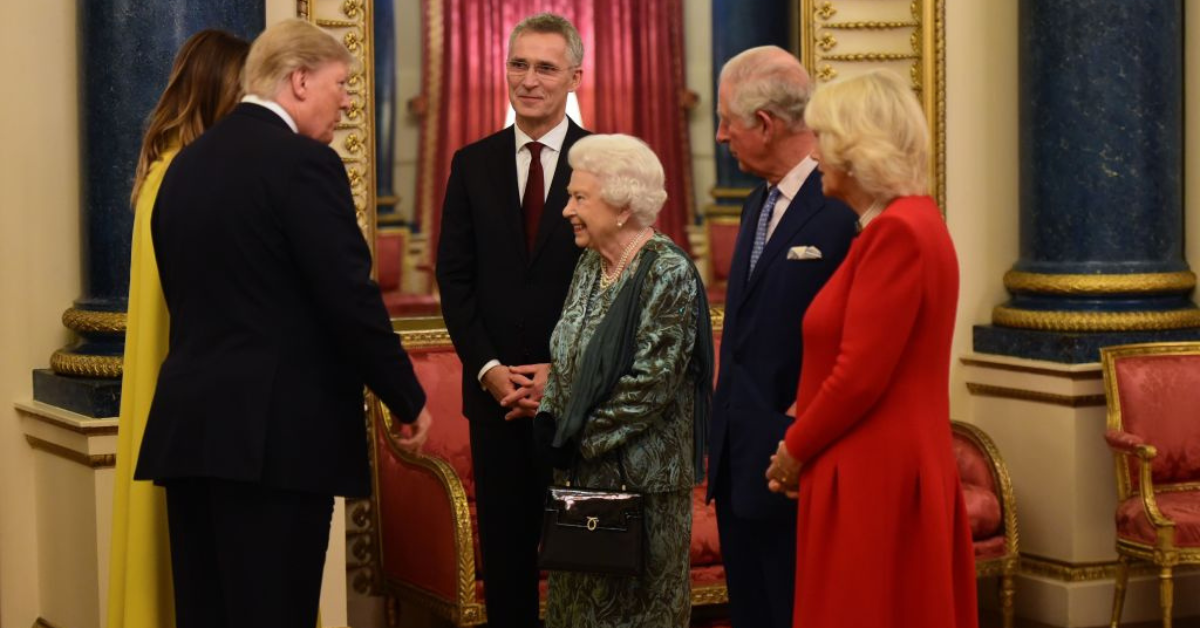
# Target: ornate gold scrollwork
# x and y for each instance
(876, 43)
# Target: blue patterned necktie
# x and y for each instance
(760, 233)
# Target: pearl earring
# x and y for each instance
(620, 224)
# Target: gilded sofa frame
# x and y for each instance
(1006, 565)
(466, 609)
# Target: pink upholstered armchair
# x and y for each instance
(1153, 393)
(991, 509)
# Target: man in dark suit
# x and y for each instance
(790, 242)
(504, 264)
(257, 419)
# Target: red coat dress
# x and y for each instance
(882, 538)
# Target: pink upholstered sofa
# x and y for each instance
(428, 545)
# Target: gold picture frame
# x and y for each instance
(840, 38)
(353, 23)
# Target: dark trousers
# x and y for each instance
(760, 561)
(243, 555)
(510, 492)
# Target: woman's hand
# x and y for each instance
(783, 476)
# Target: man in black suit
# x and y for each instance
(257, 419)
(504, 264)
(790, 242)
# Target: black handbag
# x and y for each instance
(593, 530)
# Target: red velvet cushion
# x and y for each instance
(989, 548)
(983, 510)
(440, 373)
(706, 547)
(722, 238)
(389, 251)
(1159, 396)
(1182, 507)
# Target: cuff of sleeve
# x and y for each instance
(486, 367)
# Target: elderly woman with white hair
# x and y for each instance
(882, 535)
(630, 383)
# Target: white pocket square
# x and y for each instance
(804, 252)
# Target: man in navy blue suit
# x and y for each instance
(790, 242)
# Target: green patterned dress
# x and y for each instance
(648, 418)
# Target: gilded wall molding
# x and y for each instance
(1063, 571)
(352, 22)
(64, 362)
(1071, 321)
(1072, 284)
(1070, 401)
(97, 461)
(1093, 374)
(908, 36)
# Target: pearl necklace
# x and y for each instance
(606, 279)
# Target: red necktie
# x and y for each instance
(535, 194)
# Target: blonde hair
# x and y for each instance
(205, 84)
(872, 127)
(767, 78)
(630, 173)
(288, 46)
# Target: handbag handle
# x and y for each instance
(572, 478)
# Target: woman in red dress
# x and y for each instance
(882, 538)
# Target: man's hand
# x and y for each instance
(498, 381)
(413, 435)
(783, 476)
(529, 383)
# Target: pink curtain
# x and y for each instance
(640, 90)
(633, 83)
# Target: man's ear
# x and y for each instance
(766, 121)
(298, 81)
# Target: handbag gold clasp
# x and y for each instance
(592, 523)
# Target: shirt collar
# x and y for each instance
(789, 186)
(553, 139)
(273, 106)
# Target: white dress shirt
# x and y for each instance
(273, 106)
(552, 143)
(789, 186)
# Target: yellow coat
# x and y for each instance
(140, 593)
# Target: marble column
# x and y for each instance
(126, 51)
(739, 25)
(1101, 245)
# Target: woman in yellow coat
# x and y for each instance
(205, 84)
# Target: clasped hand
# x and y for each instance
(518, 388)
(783, 476)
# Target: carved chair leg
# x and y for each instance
(1119, 589)
(1007, 593)
(1166, 594)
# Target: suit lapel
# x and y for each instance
(504, 181)
(556, 200)
(741, 250)
(802, 208)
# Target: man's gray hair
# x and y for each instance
(767, 78)
(555, 24)
(630, 174)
